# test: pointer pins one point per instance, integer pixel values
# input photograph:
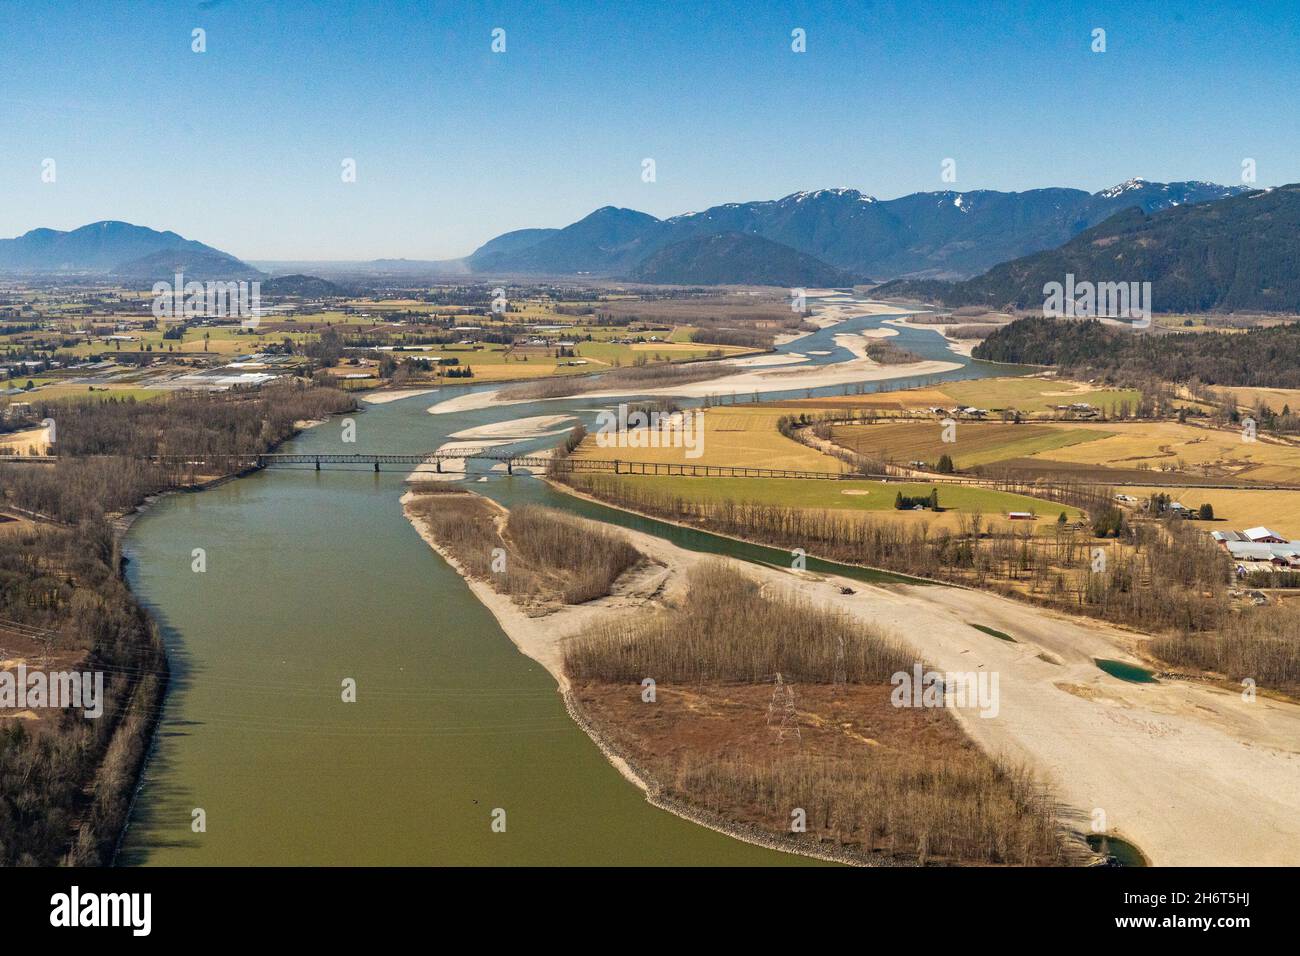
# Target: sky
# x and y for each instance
(242, 146)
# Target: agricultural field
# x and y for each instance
(107, 324)
(876, 497)
(1236, 508)
(741, 435)
(55, 392)
(1186, 449)
(1034, 394)
(978, 443)
(1133, 452)
(1275, 398)
(874, 403)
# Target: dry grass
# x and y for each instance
(729, 631)
(882, 782)
(978, 443)
(549, 556)
(1262, 644)
(744, 435)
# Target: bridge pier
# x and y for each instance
(438, 465)
(376, 466)
(510, 466)
(318, 462)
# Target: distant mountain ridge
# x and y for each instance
(113, 247)
(734, 258)
(1238, 254)
(940, 234)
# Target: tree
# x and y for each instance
(945, 466)
(1206, 512)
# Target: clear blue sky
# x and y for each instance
(241, 146)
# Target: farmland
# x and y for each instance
(740, 435)
(1146, 452)
(859, 496)
(978, 443)
(54, 336)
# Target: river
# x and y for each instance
(312, 578)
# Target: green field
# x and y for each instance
(978, 443)
(847, 495)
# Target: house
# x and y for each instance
(1020, 515)
(1262, 535)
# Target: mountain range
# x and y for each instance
(1235, 255)
(119, 249)
(935, 234)
(829, 237)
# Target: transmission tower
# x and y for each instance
(781, 712)
(840, 675)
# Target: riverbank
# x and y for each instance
(1088, 733)
(544, 639)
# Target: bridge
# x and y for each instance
(227, 464)
(230, 464)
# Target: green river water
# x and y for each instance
(314, 577)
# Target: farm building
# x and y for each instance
(1259, 549)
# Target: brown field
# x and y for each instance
(1274, 398)
(33, 441)
(1149, 452)
(899, 784)
(1190, 449)
(910, 400)
(741, 435)
(1238, 508)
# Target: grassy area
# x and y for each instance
(1170, 446)
(100, 393)
(978, 443)
(847, 495)
(1126, 451)
(1236, 508)
(1032, 394)
(744, 435)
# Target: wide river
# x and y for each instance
(316, 577)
